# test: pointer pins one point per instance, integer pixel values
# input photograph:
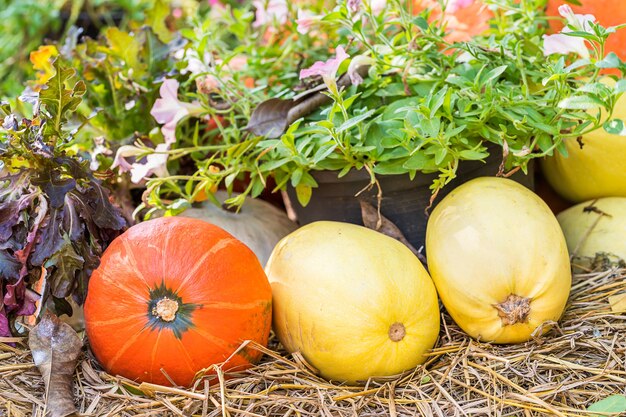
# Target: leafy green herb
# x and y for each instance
(425, 104)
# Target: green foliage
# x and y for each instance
(58, 99)
(26, 23)
(613, 405)
(119, 72)
(425, 106)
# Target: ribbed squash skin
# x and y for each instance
(223, 295)
(343, 293)
(491, 239)
(258, 224)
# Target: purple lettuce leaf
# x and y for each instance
(104, 214)
(18, 300)
(10, 214)
(54, 187)
(5, 328)
(9, 266)
(56, 218)
(49, 239)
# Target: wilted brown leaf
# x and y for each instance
(55, 347)
(372, 219)
(270, 117)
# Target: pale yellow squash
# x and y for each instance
(598, 169)
(498, 259)
(595, 227)
(257, 223)
(354, 302)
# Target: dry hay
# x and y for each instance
(577, 363)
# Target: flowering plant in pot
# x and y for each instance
(383, 92)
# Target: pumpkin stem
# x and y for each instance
(165, 309)
(397, 332)
(513, 310)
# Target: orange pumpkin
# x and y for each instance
(607, 13)
(176, 294)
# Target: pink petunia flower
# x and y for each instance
(378, 6)
(124, 152)
(562, 43)
(354, 5)
(355, 63)
(155, 163)
(306, 21)
(270, 11)
(577, 21)
(454, 5)
(168, 110)
(328, 69)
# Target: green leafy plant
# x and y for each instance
(120, 72)
(56, 217)
(404, 100)
(26, 23)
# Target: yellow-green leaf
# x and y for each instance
(156, 19)
(58, 99)
(125, 47)
(304, 194)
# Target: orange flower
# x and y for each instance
(464, 19)
(201, 188)
(42, 62)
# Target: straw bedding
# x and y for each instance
(577, 363)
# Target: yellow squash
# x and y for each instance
(594, 227)
(353, 301)
(598, 169)
(498, 259)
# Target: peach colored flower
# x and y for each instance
(42, 62)
(463, 18)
